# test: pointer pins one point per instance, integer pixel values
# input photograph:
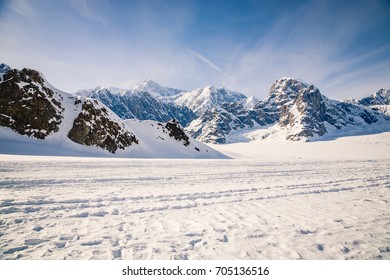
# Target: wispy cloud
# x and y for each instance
(327, 43)
(23, 8)
(83, 8)
(207, 61)
(320, 46)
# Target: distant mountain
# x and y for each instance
(140, 104)
(295, 109)
(201, 100)
(381, 97)
(155, 89)
(306, 113)
(4, 68)
(36, 117)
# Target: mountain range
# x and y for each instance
(293, 110)
(150, 118)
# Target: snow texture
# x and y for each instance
(274, 201)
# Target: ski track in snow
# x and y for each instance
(85, 208)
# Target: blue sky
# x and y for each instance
(342, 47)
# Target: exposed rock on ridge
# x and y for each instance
(93, 127)
(27, 105)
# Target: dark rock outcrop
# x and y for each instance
(27, 105)
(176, 132)
(94, 127)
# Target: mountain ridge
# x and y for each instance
(293, 108)
(35, 114)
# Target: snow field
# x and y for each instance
(102, 208)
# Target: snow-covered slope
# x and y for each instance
(168, 140)
(36, 118)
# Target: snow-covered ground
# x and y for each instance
(322, 200)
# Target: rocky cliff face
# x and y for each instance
(176, 132)
(310, 114)
(94, 127)
(28, 105)
(219, 111)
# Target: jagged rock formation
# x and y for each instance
(305, 112)
(142, 105)
(176, 132)
(27, 104)
(381, 97)
(219, 112)
(94, 127)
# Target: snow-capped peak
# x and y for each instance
(155, 89)
(4, 68)
(381, 97)
(200, 100)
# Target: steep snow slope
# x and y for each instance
(157, 140)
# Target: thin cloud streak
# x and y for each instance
(83, 8)
(207, 61)
(311, 40)
(312, 53)
(23, 8)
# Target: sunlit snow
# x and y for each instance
(320, 200)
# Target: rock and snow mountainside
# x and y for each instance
(381, 97)
(142, 103)
(301, 112)
(293, 110)
(36, 118)
(219, 112)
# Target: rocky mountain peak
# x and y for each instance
(4, 68)
(155, 89)
(286, 88)
(381, 97)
